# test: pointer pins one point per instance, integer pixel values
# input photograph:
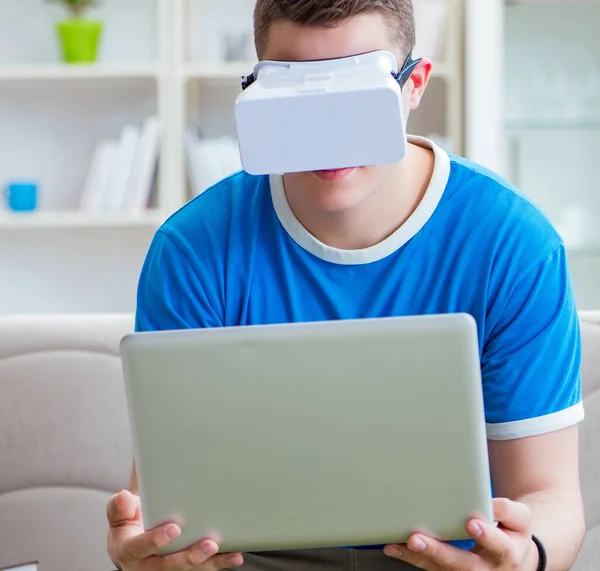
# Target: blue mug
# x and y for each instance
(22, 196)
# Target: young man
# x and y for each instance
(431, 234)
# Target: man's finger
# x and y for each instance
(429, 554)
(205, 554)
(512, 515)
(122, 508)
(402, 553)
(144, 545)
(496, 542)
(225, 561)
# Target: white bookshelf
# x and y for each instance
(158, 57)
(180, 76)
(225, 70)
(55, 114)
(60, 258)
(59, 72)
(151, 219)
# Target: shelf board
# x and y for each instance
(553, 125)
(233, 70)
(75, 219)
(591, 251)
(62, 71)
(237, 70)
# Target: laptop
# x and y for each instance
(308, 435)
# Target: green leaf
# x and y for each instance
(76, 7)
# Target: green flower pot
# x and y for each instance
(79, 40)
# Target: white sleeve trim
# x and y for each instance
(536, 426)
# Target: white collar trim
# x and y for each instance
(420, 217)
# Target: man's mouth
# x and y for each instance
(334, 174)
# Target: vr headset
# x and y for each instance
(322, 115)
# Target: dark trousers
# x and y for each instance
(336, 559)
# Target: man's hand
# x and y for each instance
(508, 547)
(133, 549)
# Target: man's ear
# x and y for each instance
(418, 82)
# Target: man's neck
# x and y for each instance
(377, 217)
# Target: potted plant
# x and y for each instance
(79, 37)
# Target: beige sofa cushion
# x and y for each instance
(589, 558)
(64, 438)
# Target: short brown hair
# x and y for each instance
(331, 13)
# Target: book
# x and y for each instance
(210, 160)
(22, 567)
(114, 195)
(194, 169)
(143, 170)
(96, 185)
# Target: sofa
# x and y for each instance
(64, 438)
(65, 445)
(589, 557)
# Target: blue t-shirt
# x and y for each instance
(236, 255)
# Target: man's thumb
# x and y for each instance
(122, 508)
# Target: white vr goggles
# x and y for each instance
(322, 115)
